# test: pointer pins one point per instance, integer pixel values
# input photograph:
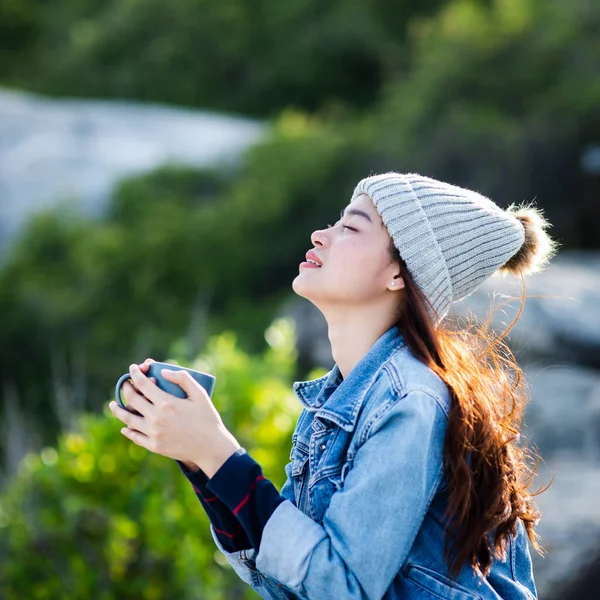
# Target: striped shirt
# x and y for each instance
(238, 500)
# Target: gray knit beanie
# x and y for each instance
(452, 238)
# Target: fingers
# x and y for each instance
(146, 387)
(137, 437)
(185, 381)
(146, 365)
(127, 417)
(137, 401)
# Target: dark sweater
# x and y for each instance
(238, 500)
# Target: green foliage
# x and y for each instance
(99, 517)
(250, 57)
(21, 27)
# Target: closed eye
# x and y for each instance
(343, 226)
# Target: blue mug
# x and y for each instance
(206, 380)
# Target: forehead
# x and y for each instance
(364, 203)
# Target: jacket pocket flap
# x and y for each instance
(437, 585)
(299, 458)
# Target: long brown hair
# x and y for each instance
(488, 465)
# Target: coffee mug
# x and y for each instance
(206, 380)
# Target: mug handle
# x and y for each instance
(118, 387)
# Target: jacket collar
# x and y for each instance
(339, 400)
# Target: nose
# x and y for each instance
(318, 236)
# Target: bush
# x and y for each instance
(99, 517)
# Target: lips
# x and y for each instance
(312, 256)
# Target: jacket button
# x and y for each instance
(323, 446)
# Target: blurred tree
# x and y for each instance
(501, 98)
(21, 30)
(255, 58)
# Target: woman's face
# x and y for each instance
(356, 266)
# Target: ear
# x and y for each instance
(396, 284)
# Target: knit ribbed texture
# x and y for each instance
(450, 238)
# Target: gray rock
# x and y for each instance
(570, 522)
(52, 149)
(563, 416)
(563, 422)
(561, 316)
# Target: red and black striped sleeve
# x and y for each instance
(229, 530)
(241, 486)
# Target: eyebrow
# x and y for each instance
(355, 211)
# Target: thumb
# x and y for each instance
(185, 381)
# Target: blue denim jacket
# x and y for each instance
(365, 494)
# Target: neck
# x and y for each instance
(353, 335)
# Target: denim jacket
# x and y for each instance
(365, 494)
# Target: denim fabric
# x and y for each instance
(365, 496)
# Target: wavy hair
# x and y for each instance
(487, 463)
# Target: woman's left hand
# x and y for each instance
(186, 429)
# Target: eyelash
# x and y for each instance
(344, 226)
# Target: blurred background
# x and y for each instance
(162, 166)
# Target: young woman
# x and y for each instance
(406, 478)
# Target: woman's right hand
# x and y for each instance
(190, 466)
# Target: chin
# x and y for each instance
(303, 288)
(297, 286)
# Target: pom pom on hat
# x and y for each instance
(538, 248)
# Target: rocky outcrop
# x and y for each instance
(51, 149)
(561, 317)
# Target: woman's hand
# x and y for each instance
(186, 429)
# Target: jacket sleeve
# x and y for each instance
(372, 521)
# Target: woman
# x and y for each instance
(406, 477)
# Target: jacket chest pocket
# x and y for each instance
(319, 464)
(299, 458)
(328, 450)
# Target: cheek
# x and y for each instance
(351, 252)
(356, 262)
